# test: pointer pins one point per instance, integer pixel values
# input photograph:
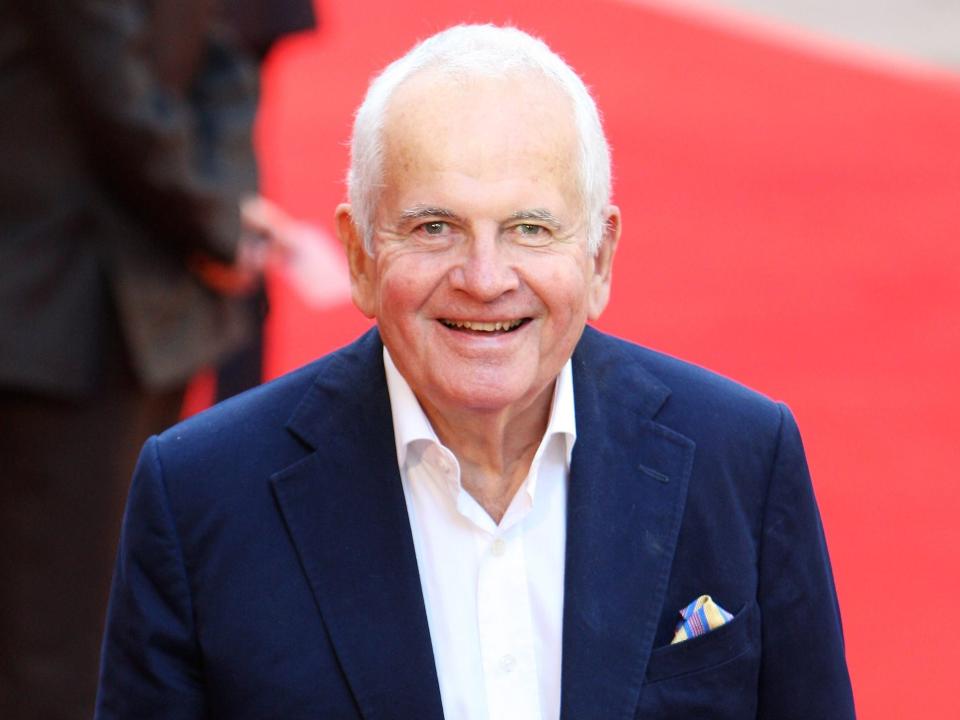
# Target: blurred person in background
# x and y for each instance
(127, 158)
(256, 26)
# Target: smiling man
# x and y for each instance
(481, 508)
(482, 274)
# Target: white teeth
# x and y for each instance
(483, 326)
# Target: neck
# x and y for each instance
(494, 449)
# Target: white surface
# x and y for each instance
(925, 30)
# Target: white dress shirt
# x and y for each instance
(493, 593)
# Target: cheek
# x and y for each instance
(397, 291)
(406, 286)
(568, 289)
(565, 292)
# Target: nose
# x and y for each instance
(485, 270)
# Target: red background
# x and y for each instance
(792, 217)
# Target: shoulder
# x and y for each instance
(697, 402)
(264, 408)
(252, 434)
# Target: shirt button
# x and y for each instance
(508, 663)
(498, 549)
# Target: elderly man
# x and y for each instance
(481, 509)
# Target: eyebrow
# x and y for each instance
(539, 214)
(421, 212)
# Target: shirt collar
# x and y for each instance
(410, 423)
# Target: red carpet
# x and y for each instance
(791, 220)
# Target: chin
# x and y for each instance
(480, 396)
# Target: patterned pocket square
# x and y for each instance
(700, 617)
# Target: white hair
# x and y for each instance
(485, 50)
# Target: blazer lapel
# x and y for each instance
(628, 484)
(344, 509)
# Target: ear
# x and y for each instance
(603, 263)
(363, 286)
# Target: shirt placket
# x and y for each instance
(506, 629)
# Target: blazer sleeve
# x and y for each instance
(803, 672)
(150, 664)
(154, 143)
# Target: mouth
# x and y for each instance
(484, 328)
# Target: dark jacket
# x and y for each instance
(267, 567)
(125, 135)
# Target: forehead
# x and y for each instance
(485, 127)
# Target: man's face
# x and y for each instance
(481, 281)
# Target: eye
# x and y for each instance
(531, 235)
(435, 234)
(434, 228)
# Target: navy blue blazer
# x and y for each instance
(267, 569)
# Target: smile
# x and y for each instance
(487, 327)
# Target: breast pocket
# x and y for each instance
(711, 676)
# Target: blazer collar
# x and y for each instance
(628, 486)
(343, 506)
(344, 509)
